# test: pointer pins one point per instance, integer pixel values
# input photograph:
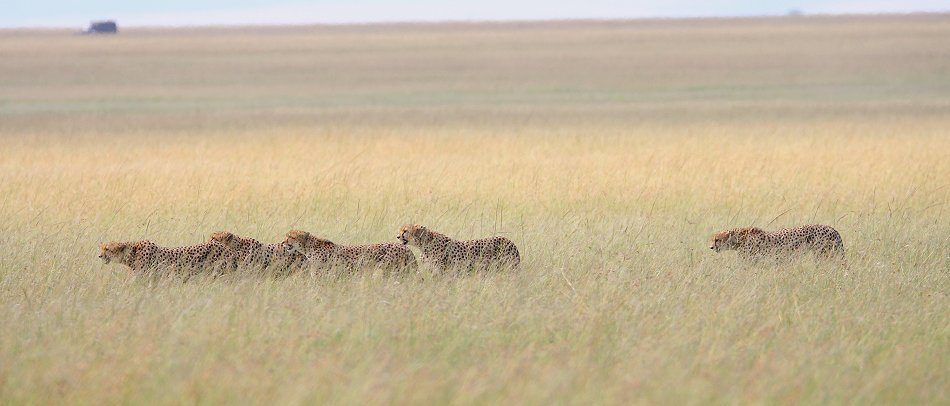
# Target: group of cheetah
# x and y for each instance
(226, 252)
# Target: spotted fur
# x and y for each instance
(146, 256)
(445, 253)
(325, 254)
(251, 254)
(753, 243)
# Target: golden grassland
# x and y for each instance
(608, 151)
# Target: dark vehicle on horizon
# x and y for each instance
(102, 27)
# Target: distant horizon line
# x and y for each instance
(789, 15)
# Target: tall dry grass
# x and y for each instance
(619, 299)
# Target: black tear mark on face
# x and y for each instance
(288, 247)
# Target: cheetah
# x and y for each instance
(252, 255)
(325, 254)
(145, 256)
(445, 253)
(754, 243)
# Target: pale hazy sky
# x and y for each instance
(77, 13)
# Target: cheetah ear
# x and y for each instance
(125, 248)
(745, 233)
(300, 235)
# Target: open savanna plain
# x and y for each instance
(608, 151)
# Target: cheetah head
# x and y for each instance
(115, 251)
(732, 239)
(300, 242)
(295, 240)
(412, 234)
(228, 239)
